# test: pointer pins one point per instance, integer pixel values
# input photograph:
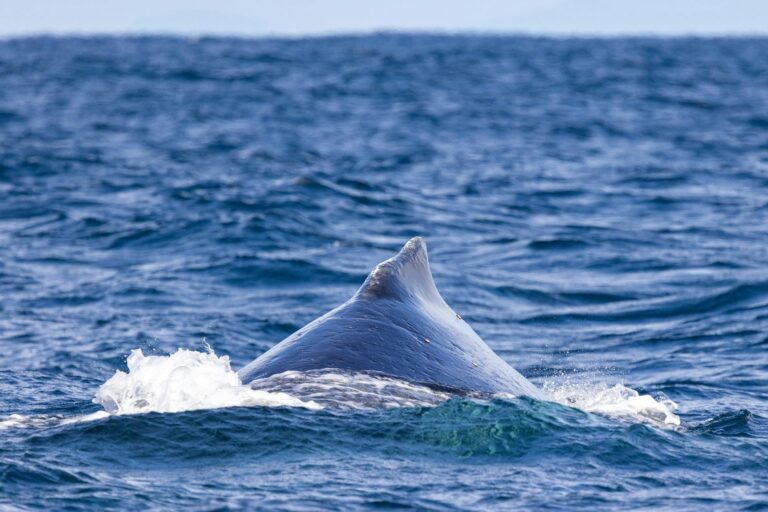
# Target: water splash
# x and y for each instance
(184, 381)
(615, 401)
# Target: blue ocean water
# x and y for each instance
(597, 209)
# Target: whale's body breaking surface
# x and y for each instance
(397, 324)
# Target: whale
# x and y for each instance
(396, 325)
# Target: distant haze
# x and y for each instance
(304, 17)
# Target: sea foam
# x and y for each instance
(616, 401)
(186, 380)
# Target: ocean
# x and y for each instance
(170, 208)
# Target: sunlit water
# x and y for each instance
(596, 209)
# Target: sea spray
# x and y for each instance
(186, 380)
(615, 401)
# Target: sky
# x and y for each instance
(310, 17)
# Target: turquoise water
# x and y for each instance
(595, 209)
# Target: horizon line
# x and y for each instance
(191, 34)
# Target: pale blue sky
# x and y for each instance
(301, 17)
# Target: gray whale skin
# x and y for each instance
(397, 325)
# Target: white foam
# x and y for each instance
(183, 381)
(352, 390)
(616, 401)
(42, 420)
(23, 420)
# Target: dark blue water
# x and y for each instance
(596, 209)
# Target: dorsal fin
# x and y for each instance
(405, 275)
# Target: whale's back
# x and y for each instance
(396, 324)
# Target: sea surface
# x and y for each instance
(170, 208)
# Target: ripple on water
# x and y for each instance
(596, 210)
